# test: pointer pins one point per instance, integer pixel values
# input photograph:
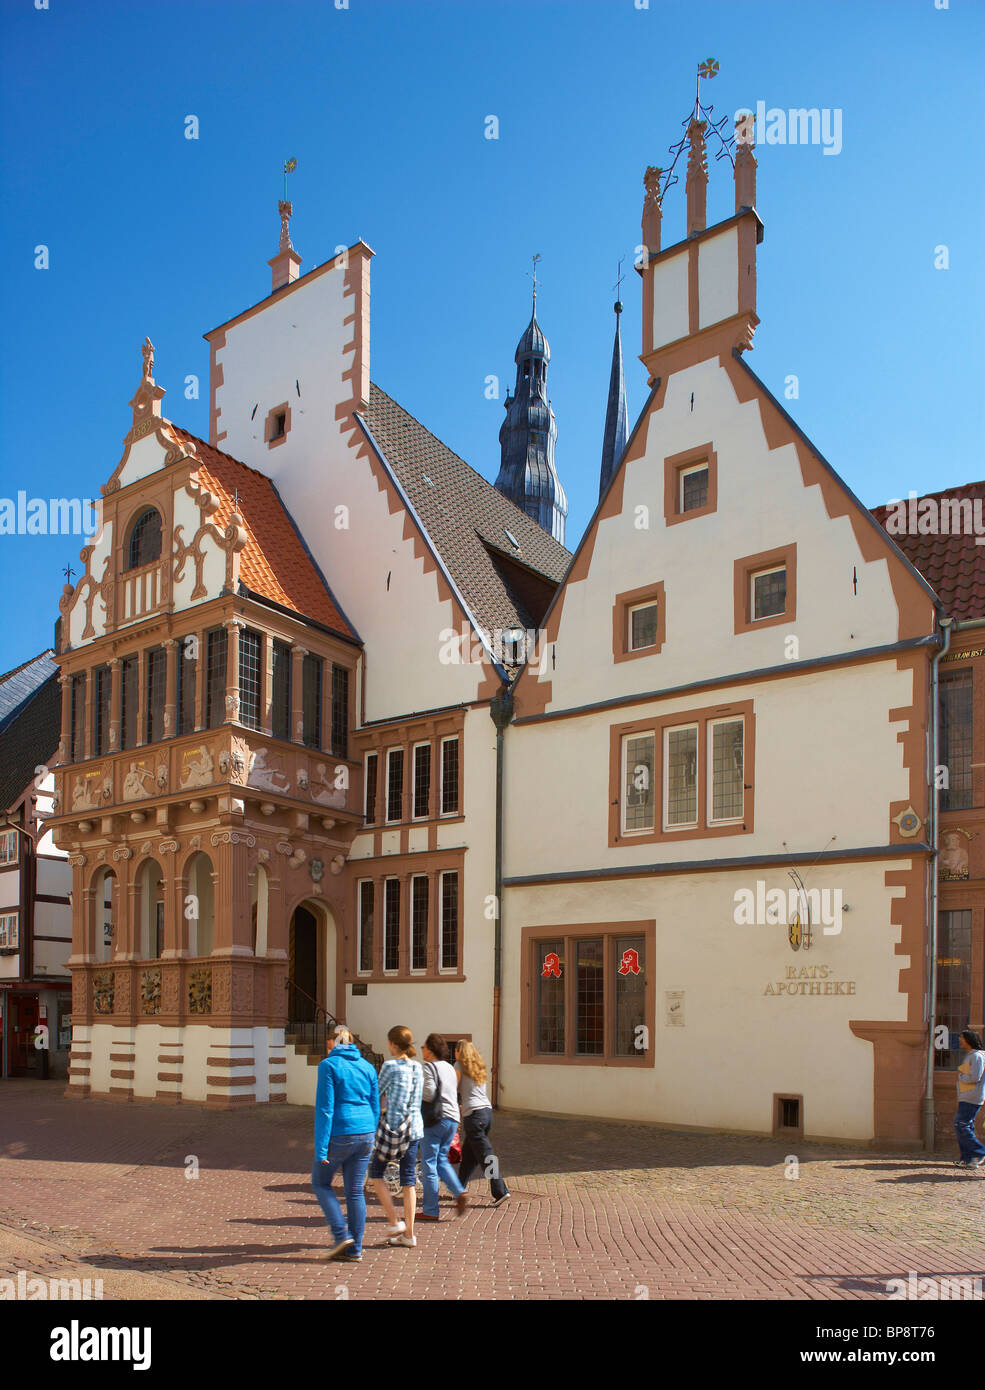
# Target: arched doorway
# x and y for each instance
(312, 947)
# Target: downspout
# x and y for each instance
(501, 713)
(935, 724)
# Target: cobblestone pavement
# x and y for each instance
(598, 1210)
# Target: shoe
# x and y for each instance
(348, 1259)
(423, 1216)
(340, 1248)
(977, 1162)
(498, 1201)
(960, 1163)
(408, 1241)
(397, 1230)
(461, 1202)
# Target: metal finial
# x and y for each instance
(619, 279)
(533, 276)
(68, 572)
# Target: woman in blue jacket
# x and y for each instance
(347, 1111)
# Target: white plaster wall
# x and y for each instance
(102, 1045)
(826, 762)
(296, 337)
(670, 299)
(762, 504)
(302, 1080)
(196, 1046)
(188, 517)
(10, 880)
(146, 457)
(718, 277)
(145, 1068)
(738, 1046)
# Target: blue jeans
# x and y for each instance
(964, 1127)
(351, 1153)
(434, 1164)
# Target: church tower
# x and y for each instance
(527, 475)
(616, 413)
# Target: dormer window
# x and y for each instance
(145, 539)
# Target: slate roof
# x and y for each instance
(953, 565)
(30, 726)
(467, 521)
(275, 562)
(20, 684)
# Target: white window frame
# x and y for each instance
(643, 829)
(665, 778)
(359, 923)
(456, 968)
(452, 738)
(424, 743)
(391, 878)
(683, 473)
(638, 608)
(388, 820)
(710, 787)
(10, 928)
(411, 967)
(8, 847)
(760, 574)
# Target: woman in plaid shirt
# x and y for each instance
(401, 1084)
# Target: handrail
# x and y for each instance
(319, 1023)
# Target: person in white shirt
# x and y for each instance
(477, 1115)
(439, 1081)
(971, 1097)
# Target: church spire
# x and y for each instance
(527, 475)
(616, 413)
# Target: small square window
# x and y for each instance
(279, 426)
(642, 626)
(769, 592)
(693, 487)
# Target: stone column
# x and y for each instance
(65, 742)
(126, 933)
(174, 916)
(81, 913)
(115, 705)
(298, 655)
(170, 688)
(232, 930)
(232, 669)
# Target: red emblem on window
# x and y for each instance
(552, 965)
(630, 963)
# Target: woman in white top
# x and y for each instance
(477, 1152)
(401, 1086)
(439, 1079)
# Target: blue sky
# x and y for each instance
(384, 104)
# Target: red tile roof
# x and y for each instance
(275, 562)
(953, 565)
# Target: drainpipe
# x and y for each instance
(928, 1098)
(501, 713)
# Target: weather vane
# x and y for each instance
(289, 166)
(617, 286)
(68, 572)
(533, 276)
(707, 69)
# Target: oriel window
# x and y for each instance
(281, 712)
(100, 710)
(311, 678)
(129, 699)
(250, 649)
(340, 711)
(215, 678)
(156, 684)
(187, 667)
(955, 740)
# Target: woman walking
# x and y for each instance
(347, 1110)
(477, 1115)
(971, 1098)
(441, 1088)
(399, 1133)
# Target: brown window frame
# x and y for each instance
(270, 438)
(656, 725)
(531, 940)
(621, 608)
(743, 571)
(432, 866)
(673, 467)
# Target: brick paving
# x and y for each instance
(598, 1210)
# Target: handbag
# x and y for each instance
(455, 1149)
(432, 1110)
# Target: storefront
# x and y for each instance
(26, 1006)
